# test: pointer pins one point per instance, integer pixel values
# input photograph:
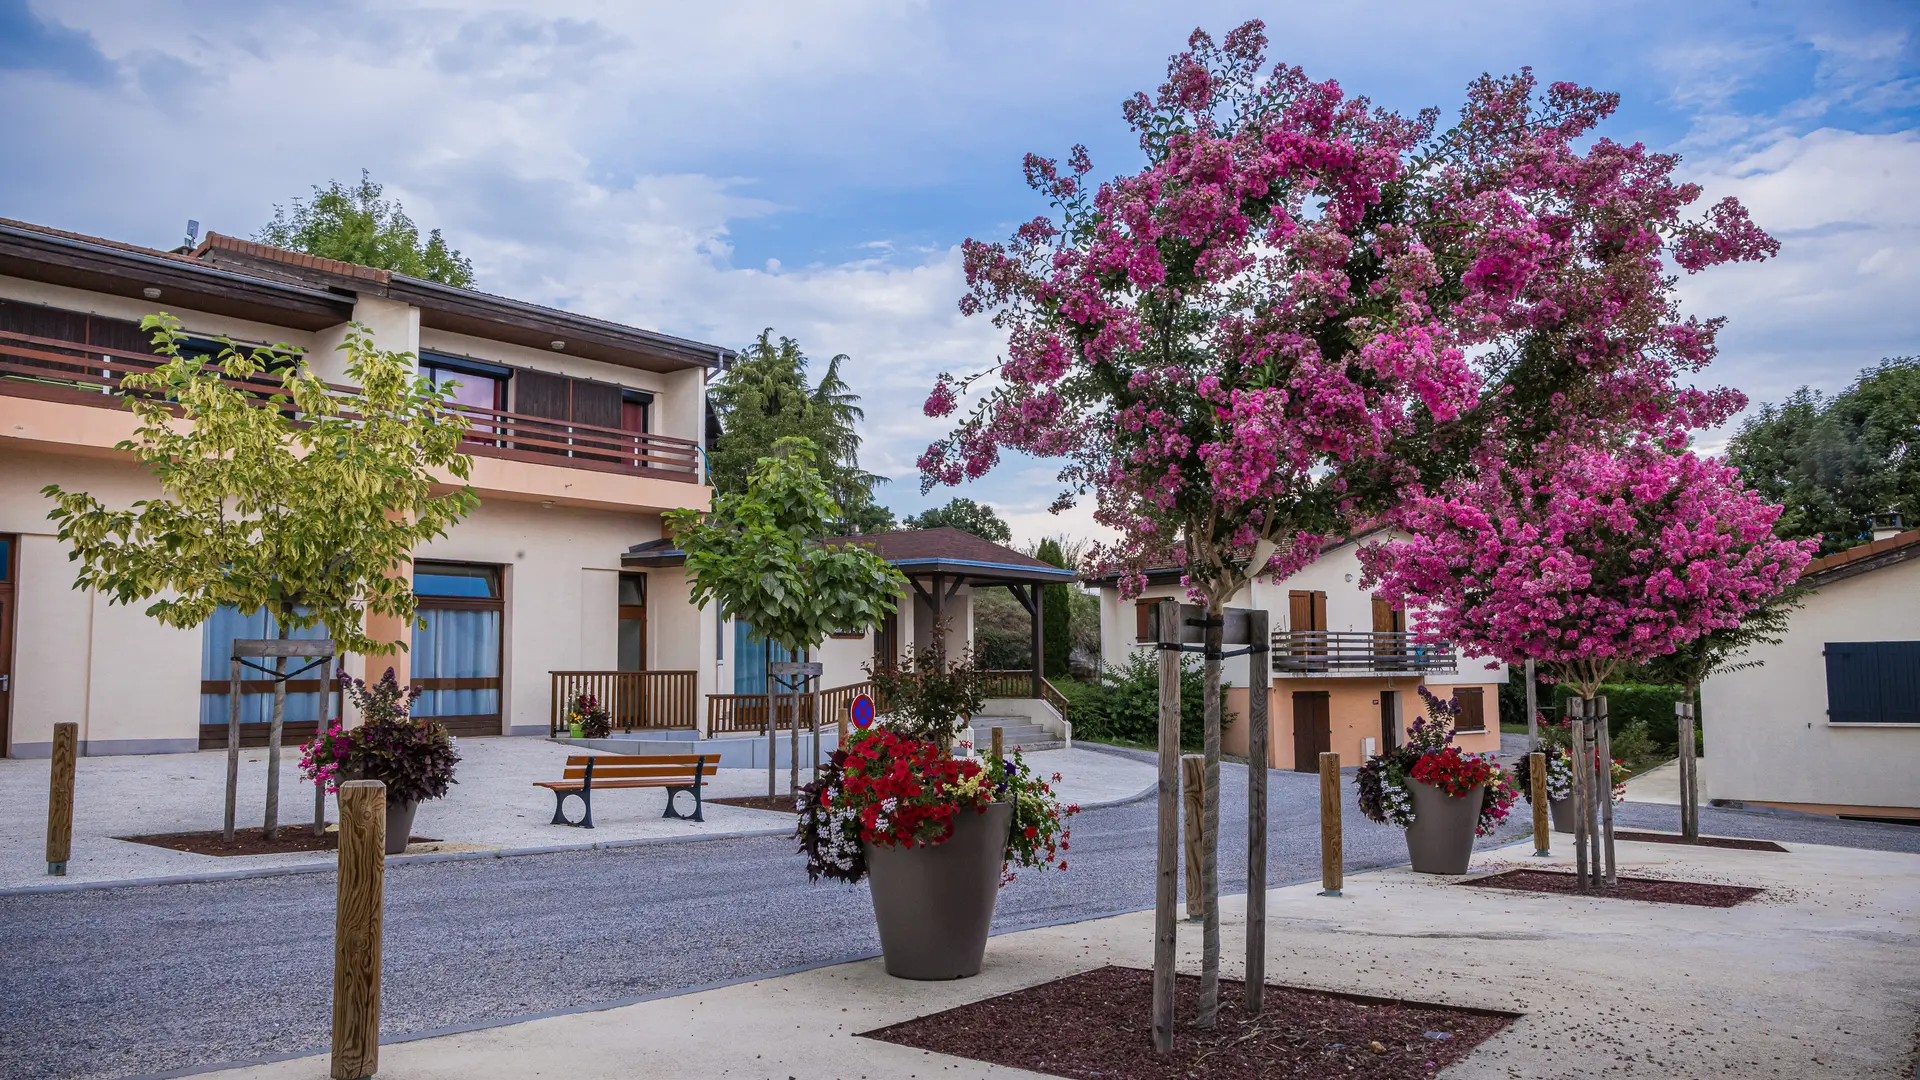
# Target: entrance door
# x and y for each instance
(456, 645)
(1389, 720)
(633, 623)
(9, 561)
(1312, 729)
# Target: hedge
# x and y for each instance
(1627, 702)
(1125, 703)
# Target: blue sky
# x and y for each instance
(710, 169)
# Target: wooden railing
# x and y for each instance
(1298, 652)
(91, 375)
(729, 714)
(1019, 684)
(635, 700)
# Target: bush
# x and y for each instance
(927, 697)
(1631, 703)
(1124, 704)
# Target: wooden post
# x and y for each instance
(66, 748)
(1167, 853)
(233, 745)
(1604, 785)
(840, 729)
(271, 826)
(999, 743)
(1542, 827)
(1689, 773)
(773, 747)
(1259, 682)
(813, 722)
(1207, 1011)
(1332, 859)
(1034, 611)
(1193, 786)
(357, 923)
(1582, 780)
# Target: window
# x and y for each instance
(217, 636)
(481, 386)
(633, 623)
(1873, 682)
(456, 645)
(750, 658)
(1473, 712)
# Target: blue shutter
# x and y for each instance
(1873, 682)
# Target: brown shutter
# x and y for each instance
(1142, 623)
(1473, 711)
(536, 393)
(596, 403)
(1299, 610)
(1319, 611)
(1382, 616)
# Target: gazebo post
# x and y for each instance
(1038, 593)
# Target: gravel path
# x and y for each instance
(116, 982)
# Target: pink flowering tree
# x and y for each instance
(1302, 304)
(1605, 560)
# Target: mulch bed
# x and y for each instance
(1100, 1025)
(1695, 893)
(1705, 841)
(782, 803)
(250, 841)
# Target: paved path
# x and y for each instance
(116, 982)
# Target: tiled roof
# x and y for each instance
(100, 240)
(257, 250)
(1846, 563)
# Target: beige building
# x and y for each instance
(1829, 722)
(1346, 673)
(584, 433)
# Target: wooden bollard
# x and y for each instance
(1332, 858)
(1193, 801)
(66, 747)
(999, 744)
(357, 923)
(1537, 778)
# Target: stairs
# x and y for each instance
(1016, 733)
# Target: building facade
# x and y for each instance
(1346, 673)
(584, 433)
(1828, 721)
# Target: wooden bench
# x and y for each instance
(587, 773)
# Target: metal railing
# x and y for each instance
(1334, 652)
(91, 375)
(635, 700)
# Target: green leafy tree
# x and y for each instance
(764, 397)
(967, 516)
(356, 225)
(1056, 611)
(759, 553)
(1714, 653)
(275, 493)
(1835, 462)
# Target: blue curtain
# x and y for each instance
(217, 636)
(750, 659)
(456, 644)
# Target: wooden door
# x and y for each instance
(1389, 720)
(1312, 729)
(9, 563)
(631, 642)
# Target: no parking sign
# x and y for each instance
(862, 710)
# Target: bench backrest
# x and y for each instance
(641, 766)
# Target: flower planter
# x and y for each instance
(573, 731)
(399, 825)
(1561, 810)
(1440, 840)
(935, 904)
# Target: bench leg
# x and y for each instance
(673, 813)
(586, 804)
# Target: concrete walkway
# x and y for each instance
(1661, 784)
(493, 808)
(1812, 980)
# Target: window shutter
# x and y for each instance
(596, 403)
(1299, 610)
(1473, 708)
(1873, 682)
(536, 393)
(1382, 617)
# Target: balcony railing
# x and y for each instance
(730, 714)
(90, 375)
(635, 700)
(1329, 652)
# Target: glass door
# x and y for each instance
(456, 645)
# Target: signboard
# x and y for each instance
(862, 710)
(812, 668)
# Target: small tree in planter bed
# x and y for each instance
(1418, 784)
(414, 758)
(925, 695)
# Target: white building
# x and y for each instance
(1829, 723)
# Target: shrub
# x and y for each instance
(926, 696)
(414, 758)
(1124, 703)
(1629, 703)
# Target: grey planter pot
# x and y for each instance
(1440, 840)
(935, 904)
(1561, 810)
(399, 825)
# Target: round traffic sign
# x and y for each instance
(862, 711)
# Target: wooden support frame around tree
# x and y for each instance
(245, 652)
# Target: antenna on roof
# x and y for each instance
(193, 232)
